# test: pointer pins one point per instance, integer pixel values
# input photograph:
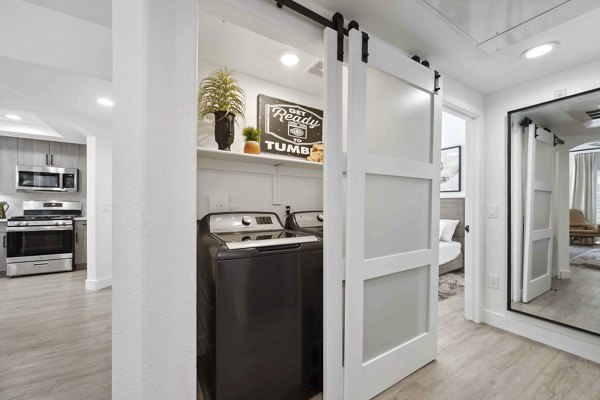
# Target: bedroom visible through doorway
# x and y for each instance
(452, 209)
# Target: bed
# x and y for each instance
(451, 253)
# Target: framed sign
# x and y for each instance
(290, 129)
(450, 171)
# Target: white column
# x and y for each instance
(154, 199)
(99, 213)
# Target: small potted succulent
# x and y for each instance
(252, 139)
(221, 95)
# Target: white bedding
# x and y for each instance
(449, 251)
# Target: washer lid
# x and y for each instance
(247, 240)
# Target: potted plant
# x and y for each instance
(252, 139)
(221, 95)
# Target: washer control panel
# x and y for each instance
(236, 222)
(309, 219)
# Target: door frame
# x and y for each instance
(474, 195)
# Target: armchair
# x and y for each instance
(580, 230)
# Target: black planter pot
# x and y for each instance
(224, 129)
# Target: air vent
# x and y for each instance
(594, 114)
(316, 68)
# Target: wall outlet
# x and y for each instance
(560, 93)
(493, 281)
(218, 203)
(492, 211)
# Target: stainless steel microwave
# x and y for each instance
(47, 179)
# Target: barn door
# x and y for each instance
(392, 219)
(539, 183)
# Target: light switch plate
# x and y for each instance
(492, 211)
(493, 281)
(218, 202)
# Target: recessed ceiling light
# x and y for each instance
(289, 59)
(105, 101)
(13, 117)
(540, 50)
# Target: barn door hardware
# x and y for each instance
(336, 22)
(436, 82)
(558, 140)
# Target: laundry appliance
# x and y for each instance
(260, 308)
(306, 221)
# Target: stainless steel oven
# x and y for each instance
(41, 241)
(47, 179)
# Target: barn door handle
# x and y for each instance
(467, 228)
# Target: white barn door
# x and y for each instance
(392, 219)
(539, 185)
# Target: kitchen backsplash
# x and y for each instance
(16, 200)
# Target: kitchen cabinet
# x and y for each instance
(2, 246)
(64, 155)
(8, 162)
(42, 153)
(80, 251)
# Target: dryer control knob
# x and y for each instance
(320, 217)
(246, 220)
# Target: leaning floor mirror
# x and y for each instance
(554, 208)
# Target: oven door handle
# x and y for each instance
(38, 228)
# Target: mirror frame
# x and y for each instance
(509, 213)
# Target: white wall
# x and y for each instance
(253, 87)
(154, 200)
(99, 213)
(582, 78)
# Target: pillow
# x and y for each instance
(449, 228)
(442, 226)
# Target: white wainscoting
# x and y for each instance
(258, 187)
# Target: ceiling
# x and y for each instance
(566, 117)
(56, 101)
(96, 11)
(244, 51)
(447, 33)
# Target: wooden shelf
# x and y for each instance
(265, 159)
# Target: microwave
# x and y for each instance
(47, 179)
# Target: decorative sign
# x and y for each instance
(290, 129)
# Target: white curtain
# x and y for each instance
(583, 188)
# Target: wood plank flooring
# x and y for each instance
(55, 344)
(55, 338)
(574, 301)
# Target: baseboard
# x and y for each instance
(564, 274)
(98, 284)
(579, 343)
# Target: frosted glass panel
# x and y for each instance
(541, 210)
(539, 258)
(391, 202)
(396, 310)
(544, 162)
(398, 118)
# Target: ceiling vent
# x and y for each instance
(593, 114)
(316, 68)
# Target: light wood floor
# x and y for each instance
(55, 339)
(574, 301)
(55, 344)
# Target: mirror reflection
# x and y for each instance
(555, 210)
